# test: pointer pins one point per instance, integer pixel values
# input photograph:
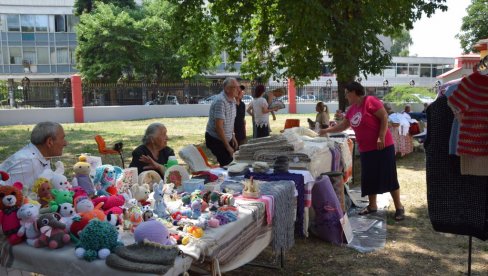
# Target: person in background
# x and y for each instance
(388, 108)
(219, 134)
(369, 120)
(271, 95)
(26, 165)
(260, 112)
(425, 107)
(322, 117)
(240, 121)
(154, 151)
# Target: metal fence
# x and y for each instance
(57, 93)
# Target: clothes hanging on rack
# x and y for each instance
(457, 203)
(470, 104)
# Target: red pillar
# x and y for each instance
(77, 99)
(292, 103)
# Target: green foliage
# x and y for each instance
(86, 6)
(142, 42)
(475, 25)
(401, 42)
(404, 93)
(3, 92)
(287, 38)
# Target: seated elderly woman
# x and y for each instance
(154, 152)
(322, 117)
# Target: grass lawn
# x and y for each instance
(412, 246)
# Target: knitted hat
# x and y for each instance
(260, 167)
(281, 164)
(238, 169)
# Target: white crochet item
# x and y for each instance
(193, 159)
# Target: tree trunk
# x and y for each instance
(341, 84)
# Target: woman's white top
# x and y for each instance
(260, 118)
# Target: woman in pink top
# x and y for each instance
(369, 120)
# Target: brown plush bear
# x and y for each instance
(11, 199)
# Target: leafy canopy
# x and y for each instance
(86, 6)
(404, 93)
(474, 26)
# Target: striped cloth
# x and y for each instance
(471, 100)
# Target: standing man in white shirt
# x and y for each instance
(27, 164)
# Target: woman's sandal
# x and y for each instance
(400, 214)
(367, 210)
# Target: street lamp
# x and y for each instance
(385, 86)
(328, 88)
(359, 79)
(412, 83)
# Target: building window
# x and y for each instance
(28, 37)
(62, 55)
(42, 55)
(41, 23)
(60, 23)
(413, 69)
(72, 58)
(425, 71)
(402, 69)
(72, 22)
(13, 24)
(30, 55)
(15, 55)
(52, 55)
(28, 23)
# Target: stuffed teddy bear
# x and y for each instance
(42, 187)
(60, 182)
(11, 199)
(82, 176)
(53, 233)
(141, 193)
(28, 214)
(68, 214)
(97, 240)
(111, 203)
(159, 205)
(105, 178)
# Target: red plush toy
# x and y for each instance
(11, 199)
(112, 203)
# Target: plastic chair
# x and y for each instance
(102, 148)
(289, 123)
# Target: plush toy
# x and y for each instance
(42, 187)
(52, 230)
(169, 191)
(136, 217)
(153, 231)
(60, 197)
(97, 240)
(4, 176)
(11, 198)
(85, 208)
(150, 177)
(196, 208)
(82, 176)
(68, 214)
(141, 193)
(105, 178)
(60, 182)
(77, 226)
(28, 214)
(214, 201)
(159, 205)
(112, 203)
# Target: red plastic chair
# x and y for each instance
(289, 123)
(103, 150)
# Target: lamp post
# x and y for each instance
(436, 85)
(385, 86)
(359, 79)
(412, 83)
(328, 89)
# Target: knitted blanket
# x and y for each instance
(300, 187)
(271, 155)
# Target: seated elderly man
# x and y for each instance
(26, 165)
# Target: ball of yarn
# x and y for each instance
(214, 223)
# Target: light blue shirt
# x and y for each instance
(222, 108)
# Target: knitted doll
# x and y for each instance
(159, 205)
(105, 178)
(68, 214)
(42, 187)
(60, 197)
(60, 182)
(196, 208)
(11, 198)
(82, 176)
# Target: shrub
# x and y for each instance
(404, 93)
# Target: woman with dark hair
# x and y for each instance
(259, 110)
(240, 121)
(369, 120)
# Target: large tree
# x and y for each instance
(475, 25)
(288, 38)
(86, 6)
(401, 42)
(139, 42)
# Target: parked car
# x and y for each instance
(284, 99)
(247, 99)
(170, 99)
(208, 100)
(423, 98)
(309, 98)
